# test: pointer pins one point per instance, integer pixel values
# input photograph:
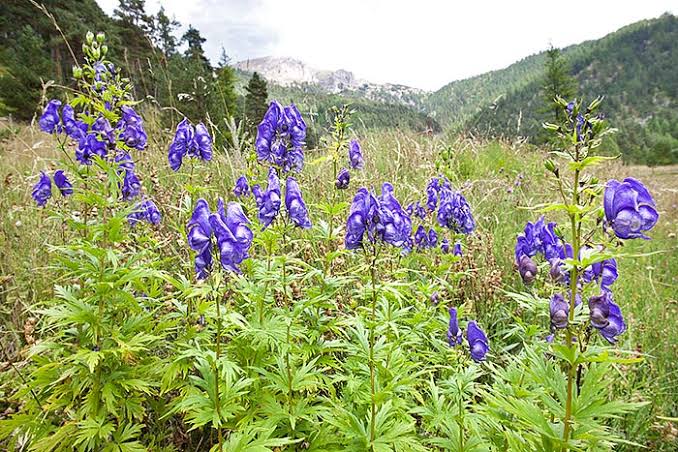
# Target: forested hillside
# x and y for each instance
(634, 68)
(169, 70)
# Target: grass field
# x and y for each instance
(501, 180)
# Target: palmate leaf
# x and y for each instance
(255, 440)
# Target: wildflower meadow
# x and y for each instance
(379, 291)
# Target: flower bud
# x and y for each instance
(101, 37)
(96, 54)
(435, 297)
(89, 37)
(77, 72)
(104, 50)
(556, 271)
(550, 166)
(559, 311)
(527, 269)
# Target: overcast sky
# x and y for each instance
(420, 43)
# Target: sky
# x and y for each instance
(422, 43)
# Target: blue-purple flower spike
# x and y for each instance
(343, 179)
(234, 236)
(242, 188)
(42, 190)
(200, 238)
(355, 155)
(62, 183)
(49, 120)
(477, 341)
(454, 334)
(294, 202)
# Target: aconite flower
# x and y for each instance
(242, 188)
(477, 341)
(295, 205)
(234, 237)
(132, 126)
(362, 219)
(88, 147)
(200, 238)
(454, 334)
(394, 226)
(559, 309)
(528, 269)
(606, 316)
(268, 202)
(74, 128)
(343, 179)
(49, 120)
(280, 137)
(355, 155)
(202, 143)
(604, 273)
(181, 144)
(629, 208)
(146, 211)
(454, 212)
(62, 183)
(457, 250)
(42, 190)
(445, 246)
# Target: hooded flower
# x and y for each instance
(296, 208)
(200, 238)
(457, 250)
(88, 147)
(343, 179)
(454, 212)
(355, 155)
(629, 208)
(147, 211)
(268, 202)
(362, 218)
(445, 246)
(202, 144)
(42, 191)
(477, 341)
(104, 130)
(606, 316)
(62, 183)
(49, 120)
(454, 334)
(242, 188)
(181, 144)
(604, 273)
(432, 194)
(394, 226)
(74, 128)
(280, 137)
(559, 311)
(132, 127)
(528, 269)
(234, 237)
(130, 186)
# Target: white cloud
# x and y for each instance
(423, 43)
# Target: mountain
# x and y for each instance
(289, 72)
(634, 68)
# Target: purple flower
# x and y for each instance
(234, 237)
(605, 273)
(606, 316)
(528, 269)
(296, 208)
(280, 137)
(355, 155)
(242, 188)
(62, 183)
(268, 202)
(454, 334)
(540, 238)
(432, 238)
(454, 212)
(49, 120)
(131, 185)
(559, 311)
(202, 143)
(181, 144)
(362, 218)
(200, 238)
(132, 127)
(124, 161)
(103, 128)
(435, 297)
(432, 194)
(88, 147)
(343, 179)
(42, 191)
(477, 341)
(147, 211)
(457, 250)
(394, 226)
(74, 128)
(445, 246)
(629, 208)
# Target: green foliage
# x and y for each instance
(256, 101)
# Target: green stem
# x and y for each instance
(373, 272)
(574, 276)
(217, 375)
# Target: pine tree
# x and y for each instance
(133, 12)
(256, 99)
(163, 32)
(557, 82)
(195, 52)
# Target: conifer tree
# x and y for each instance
(557, 82)
(256, 99)
(163, 32)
